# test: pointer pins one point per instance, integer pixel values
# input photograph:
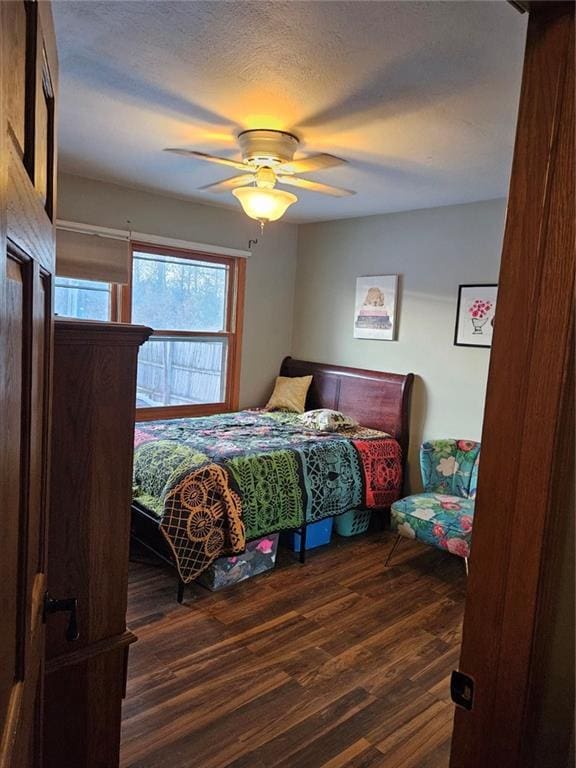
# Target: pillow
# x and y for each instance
(327, 420)
(289, 394)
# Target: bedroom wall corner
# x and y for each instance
(270, 270)
(433, 250)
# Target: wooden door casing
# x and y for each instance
(27, 167)
(526, 482)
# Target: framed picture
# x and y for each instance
(475, 315)
(375, 307)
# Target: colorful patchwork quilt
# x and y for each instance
(216, 482)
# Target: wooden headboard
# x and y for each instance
(374, 398)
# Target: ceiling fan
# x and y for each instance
(267, 159)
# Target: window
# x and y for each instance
(86, 299)
(193, 301)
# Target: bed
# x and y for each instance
(205, 486)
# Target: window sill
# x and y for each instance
(180, 411)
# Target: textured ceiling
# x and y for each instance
(419, 97)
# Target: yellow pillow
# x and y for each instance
(289, 394)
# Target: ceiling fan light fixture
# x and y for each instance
(264, 204)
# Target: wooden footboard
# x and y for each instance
(145, 529)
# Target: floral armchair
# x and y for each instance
(443, 514)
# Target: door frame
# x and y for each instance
(518, 638)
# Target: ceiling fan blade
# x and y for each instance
(235, 181)
(312, 163)
(314, 186)
(210, 158)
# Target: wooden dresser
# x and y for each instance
(88, 543)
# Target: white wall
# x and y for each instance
(434, 250)
(270, 272)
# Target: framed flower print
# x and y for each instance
(475, 315)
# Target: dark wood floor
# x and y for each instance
(338, 663)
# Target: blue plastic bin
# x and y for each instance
(317, 535)
(354, 522)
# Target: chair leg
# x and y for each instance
(180, 594)
(393, 549)
(466, 566)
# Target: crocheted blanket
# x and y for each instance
(216, 482)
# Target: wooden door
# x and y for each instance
(27, 165)
(518, 644)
